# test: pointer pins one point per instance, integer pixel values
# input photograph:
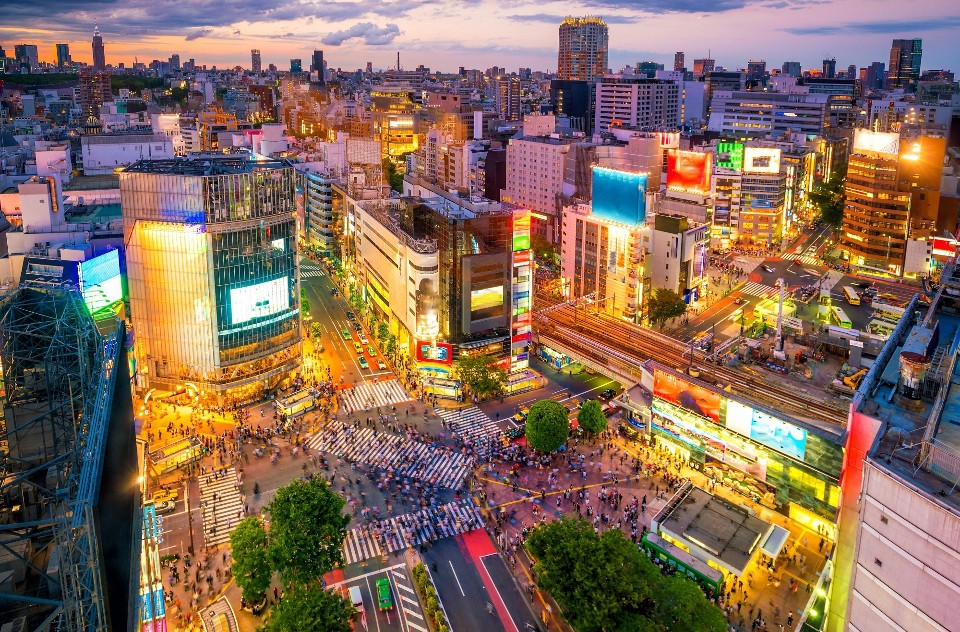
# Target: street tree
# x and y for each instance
(829, 198)
(663, 305)
(307, 528)
(383, 330)
(316, 330)
(547, 426)
(251, 565)
(481, 375)
(601, 582)
(304, 307)
(311, 607)
(681, 605)
(591, 417)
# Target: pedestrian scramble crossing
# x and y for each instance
(756, 289)
(367, 395)
(221, 505)
(389, 535)
(470, 423)
(413, 459)
(806, 260)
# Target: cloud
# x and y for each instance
(370, 33)
(197, 34)
(881, 27)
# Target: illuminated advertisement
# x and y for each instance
(278, 244)
(688, 171)
(878, 142)
(620, 196)
(766, 429)
(100, 281)
(521, 230)
(257, 301)
(692, 397)
(521, 293)
(729, 155)
(944, 247)
(440, 352)
(761, 160)
(485, 299)
(669, 140)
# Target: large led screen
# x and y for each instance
(693, 397)
(767, 429)
(880, 142)
(620, 196)
(761, 160)
(100, 281)
(262, 299)
(688, 171)
(485, 299)
(729, 155)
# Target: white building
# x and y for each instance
(106, 153)
(535, 178)
(637, 102)
(757, 114)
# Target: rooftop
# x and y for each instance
(209, 165)
(92, 183)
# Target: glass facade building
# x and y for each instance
(212, 261)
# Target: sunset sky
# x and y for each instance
(484, 33)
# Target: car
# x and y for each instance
(887, 296)
(164, 507)
(372, 351)
(358, 348)
(364, 340)
(346, 334)
(384, 598)
(766, 268)
(739, 300)
(164, 495)
(519, 419)
(607, 394)
(381, 364)
(356, 598)
(334, 291)
(363, 363)
(351, 315)
(861, 284)
(357, 327)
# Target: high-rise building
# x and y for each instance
(95, 90)
(678, 61)
(99, 56)
(875, 77)
(792, 68)
(214, 285)
(830, 68)
(756, 71)
(255, 63)
(851, 71)
(637, 102)
(27, 56)
(296, 65)
(701, 67)
(507, 98)
(904, 70)
(317, 65)
(574, 100)
(757, 114)
(174, 62)
(583, 49)
(63, 55)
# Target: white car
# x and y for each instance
(165, 507)
(381, 365)
(364, 340)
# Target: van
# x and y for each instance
(356, 598)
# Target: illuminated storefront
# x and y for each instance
(521, 301)
(151, 606)
(212, 269)
(779, 462)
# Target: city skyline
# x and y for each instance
(353, 33)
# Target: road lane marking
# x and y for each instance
(450, 562)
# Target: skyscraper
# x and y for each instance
(905, 57)
(830, 68)
(316, 64)
(757, 71)
(99, 56)
(174, 62)
(27, 56)
(95, 90)
(255, 66)
(875, 76)
(583, 48)
(678, 60)
(791, 68)
(508, 98)
(63, 55)
(701, 67)
(296, 65)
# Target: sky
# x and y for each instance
(443, 35)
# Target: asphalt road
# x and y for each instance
(405, 608)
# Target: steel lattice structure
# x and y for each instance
(58, 372)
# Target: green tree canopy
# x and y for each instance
(481, 375)
(547, 426)
(251, 566)
(311, 608)
(681, 605)
(383, 330)
(663, 305)
(307, 528)
(829, 198)
(591, 417)
(304, 306)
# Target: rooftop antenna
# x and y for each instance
(398, 60)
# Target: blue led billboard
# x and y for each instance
(620, 196)
(100, 281)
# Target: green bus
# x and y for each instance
(675, 557)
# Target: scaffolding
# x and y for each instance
(58, 376)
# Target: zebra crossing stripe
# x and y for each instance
(221, 505)
(374, 395)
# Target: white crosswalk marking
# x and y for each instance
(412, 529)
(412, 459)
(369, 395)
(407, 599)
(756, 289)
(311, 273)
(471, 423)
(806, 260)
(221, 505)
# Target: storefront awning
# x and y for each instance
(775, 541)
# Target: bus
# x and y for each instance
(297, 403)
(851, 295)
(839, 317)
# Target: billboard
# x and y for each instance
(767, 429)
(100, 281)
(262, 299)
(761, 160)
(729, 155)
(693, 397)
(485, 299)
(521, 230)
(669, 140)
(688, 171)
(441, 352)
(620, 196)
(878, 142)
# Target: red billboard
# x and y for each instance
(693, 397)
(441, 352)
(688, 171)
